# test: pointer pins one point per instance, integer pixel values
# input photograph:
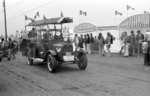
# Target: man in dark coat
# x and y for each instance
(132, 48)
(139, 40)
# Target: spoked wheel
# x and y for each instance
(82, 63)
(9, 58)
(51, 63)
(30, 61)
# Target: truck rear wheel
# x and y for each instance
(82, 63)
(30, 61)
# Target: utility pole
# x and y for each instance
(5, 20)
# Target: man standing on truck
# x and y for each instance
(76, 42)
(2, 43)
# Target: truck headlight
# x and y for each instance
(41, 53)
(58, 49)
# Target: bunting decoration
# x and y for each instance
(82, 13)
(128, 7)
(28, 18)
(118, 13)
(37, 15)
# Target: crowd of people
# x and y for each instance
(132, 44)
(87, 41)
(9, 47)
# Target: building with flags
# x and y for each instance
(133, 23)
(136, 22)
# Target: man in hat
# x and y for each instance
(139, 40)
(132, 44)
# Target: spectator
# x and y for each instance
(76, 41)
(81, 41)
(91, 42)
(91, 38)
(108, 43)
(123, 37)
(139, 40)
(126, 45)
(10, 48)
(132, 44)
(85, 43)
(88, 44)
(2, 43)
(112, 38)
(101, 43)
(146, 52)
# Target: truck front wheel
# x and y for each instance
(51, 63)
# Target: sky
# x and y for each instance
(99, 12)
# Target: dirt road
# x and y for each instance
(105, 76)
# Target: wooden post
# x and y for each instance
(5, 19)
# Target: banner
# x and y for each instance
(82, 13)
(128, 7)
(118, 13)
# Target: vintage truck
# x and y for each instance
(45, 44)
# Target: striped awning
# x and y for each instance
(84, 28)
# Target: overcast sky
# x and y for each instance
(99, 12)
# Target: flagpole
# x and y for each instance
(117, 21)
(25, 25)
(5, 19)
(79, 16)
(128, 22)
(118, 26)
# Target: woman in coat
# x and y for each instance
(101, 43)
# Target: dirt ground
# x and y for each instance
(104, 76)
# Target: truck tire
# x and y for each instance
(30, 61)
(82, 63)
(51, 63)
